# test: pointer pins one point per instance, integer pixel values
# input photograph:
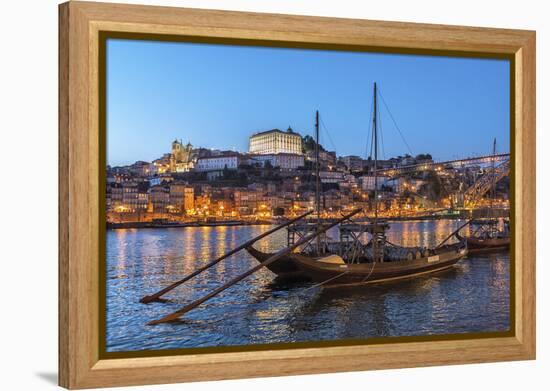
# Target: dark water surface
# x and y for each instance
(471, 297)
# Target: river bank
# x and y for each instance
(464, 214)
(175, 224)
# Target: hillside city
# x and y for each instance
(277, 176)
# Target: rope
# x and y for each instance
(395, 123)
(381, 134)
(327, 132)
(368, 275)
(393, 244)
(330, 279)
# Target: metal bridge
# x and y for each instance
(402, 170)
(475, 192)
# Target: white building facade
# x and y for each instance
(213, 163)
(285, 161)
(276, 141)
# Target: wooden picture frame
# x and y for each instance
(80, 173)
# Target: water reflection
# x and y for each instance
(472, 297)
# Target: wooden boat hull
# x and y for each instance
(479, 246)
(333, 275)
(285, 268)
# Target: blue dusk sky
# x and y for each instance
(216, 96)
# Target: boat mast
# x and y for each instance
(374, 123)
(317, 180)
(375, 225)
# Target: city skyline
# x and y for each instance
(158, 92)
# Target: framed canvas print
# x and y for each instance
(247, 195)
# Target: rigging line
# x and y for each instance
(293, 295)
(395, 123)
(329, 280)
(381, 134)
(371, 133)
(371, 270)
(372, 144)
(327, 133)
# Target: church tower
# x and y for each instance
(180, 157)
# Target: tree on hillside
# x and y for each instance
(423, 156)
(309, 144)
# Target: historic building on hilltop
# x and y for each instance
(276, 141)
(181, 159)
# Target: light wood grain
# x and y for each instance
(64, 353)
(80, 23)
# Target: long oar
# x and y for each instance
(454, 233)
(281, 253)
(156, 296)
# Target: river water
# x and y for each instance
(471, 297)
